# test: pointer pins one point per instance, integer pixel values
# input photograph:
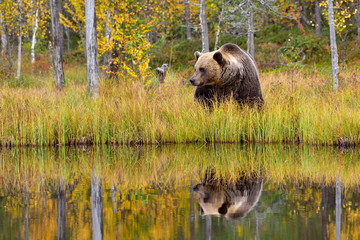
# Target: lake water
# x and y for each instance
(180, 192)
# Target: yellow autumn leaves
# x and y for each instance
(343, 12)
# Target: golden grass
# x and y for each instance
(300, 107)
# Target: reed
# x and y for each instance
(300, 107)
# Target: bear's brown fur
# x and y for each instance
(227, 72)
(231, 200)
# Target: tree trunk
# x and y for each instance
(317, 18)
(324, 204)
(97, 207)
(3, 34)
(304, 17)
(208, 227)
(219, 25)
(18, 74)
(334, 54)
(187, 17)
(250, 40)
(57, 40)
(204, 26)
(113, 198)
(192, 211)
(91, 48)
(61, 207)
(358, 20)
(34, 30)
(338, 210)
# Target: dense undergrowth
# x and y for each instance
(275, 45)
(300, 107)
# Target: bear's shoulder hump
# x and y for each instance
(230, 48)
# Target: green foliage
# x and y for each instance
(178, 54)
(303, 49)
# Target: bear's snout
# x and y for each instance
(192, 81)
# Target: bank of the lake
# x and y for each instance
(300, 107)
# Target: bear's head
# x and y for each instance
(231, 200)
(212, 200)
(208, 68)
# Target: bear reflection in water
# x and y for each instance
(234, 200)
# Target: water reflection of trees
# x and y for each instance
(143, 183)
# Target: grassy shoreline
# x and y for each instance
(300, 107)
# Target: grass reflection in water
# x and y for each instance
(143, 193)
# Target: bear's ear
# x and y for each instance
(219, 58)
(197, 55)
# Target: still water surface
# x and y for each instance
(180, 192)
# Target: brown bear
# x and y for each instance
(231, 200)
(227, 72)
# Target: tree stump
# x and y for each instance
(162, 73)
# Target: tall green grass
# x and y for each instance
(300, 107)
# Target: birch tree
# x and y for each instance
(57, 42)
(238, 18)
(204, 26)
(61, 209)
(221, 17)
(337, 204)
(187, 19)
(97, 206)
(129, 40)
(35, 26)
(3, 32)
(91, 48)
(18, 73)
(334, 54)
(250, 39)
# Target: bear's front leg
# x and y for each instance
(205, 95)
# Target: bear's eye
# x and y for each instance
(202, 69)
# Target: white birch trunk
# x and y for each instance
(91, 48)
(334, 54)
(97, 207)
(338, 210)
(219, 25)
(33, 39)
(208, 227)
(18, 74)
(57, 40)
(317, 18)
(3, 34)
(187, 18)
(204, 26)
(250, 39)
